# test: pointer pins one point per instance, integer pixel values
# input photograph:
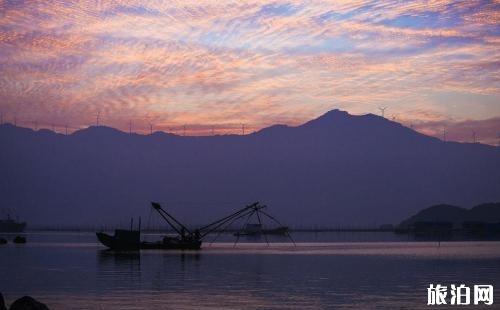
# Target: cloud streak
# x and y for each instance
(483, 131)
(252, 62)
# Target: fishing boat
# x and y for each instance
(256, 229)
(9, 225)
(122, 240)
(184, 238)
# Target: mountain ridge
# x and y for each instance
(331, 119)
(337, 169)
(485, 212)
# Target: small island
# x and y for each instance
(443, 220)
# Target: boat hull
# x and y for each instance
(191, 245)
(10, 226)
(117, 243)
(126, 242)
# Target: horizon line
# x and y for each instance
(213, 131)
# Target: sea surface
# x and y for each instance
(329, 270)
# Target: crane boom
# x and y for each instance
(169, 219)
(200, 233)
(205, 230)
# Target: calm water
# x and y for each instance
(324, 271)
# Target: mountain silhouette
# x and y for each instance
(338, 169)
(486, 212)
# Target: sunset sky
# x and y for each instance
(433, 64)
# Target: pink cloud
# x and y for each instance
(486, 131)
(202, 63)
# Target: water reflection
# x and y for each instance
(118, 257)
(341, 275)
(126, 262)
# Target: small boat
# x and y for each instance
(123, 240)
(19, 240)
(257, 229)
(129, 240)
(8, 225)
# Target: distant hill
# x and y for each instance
(486, 212)
(338, 169)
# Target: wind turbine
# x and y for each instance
(444, 134)
(382, 110)
(98, 115)
(473, 136)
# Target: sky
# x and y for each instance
(210, 66)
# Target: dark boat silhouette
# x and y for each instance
(185, 239)
(129, 240)
(123, 240)
(8, 225)
(19, 240)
